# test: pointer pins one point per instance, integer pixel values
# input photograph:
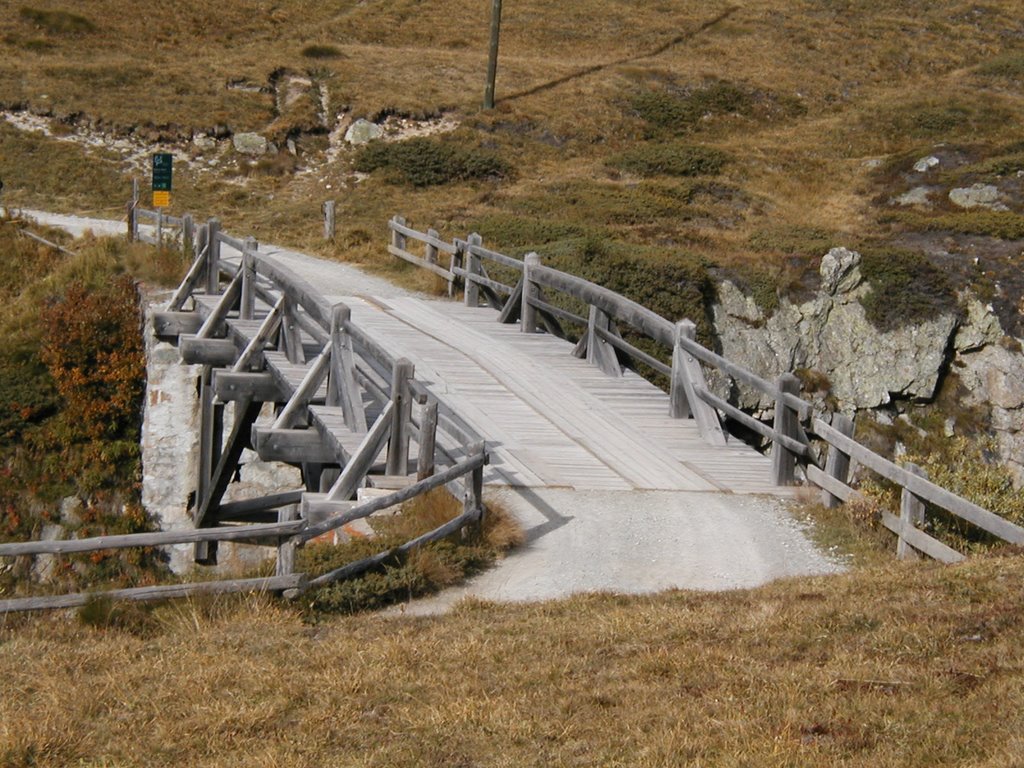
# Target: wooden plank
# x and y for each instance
(174, 324)
(293, 446)
(243, 534)
(921, 541)
(924, 489)
(262, 387)
(437, 269)
(215, 352)
(831, 485)
(164, 592)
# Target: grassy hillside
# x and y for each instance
(901, 665)
(746, 138)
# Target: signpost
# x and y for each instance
(162, 171)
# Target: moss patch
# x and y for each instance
(671, 159)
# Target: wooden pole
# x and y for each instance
(528, 314)
(398, 445)
(911, 515)
(492, 59)
(248, 300)
(431, 249)
(329, 220)
(428, 440)
(471, 296)
(786, 423)
(132, 218)
(212, 255)
(188, 234)
(837, 465)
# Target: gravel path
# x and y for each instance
(583, 541)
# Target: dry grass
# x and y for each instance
(901, 665)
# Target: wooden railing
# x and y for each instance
(600, 339)
(224, 286)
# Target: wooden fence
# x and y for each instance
(264, 335)
(798, 435)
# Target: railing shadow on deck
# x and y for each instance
(820, 447)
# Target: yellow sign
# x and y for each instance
(161, 199)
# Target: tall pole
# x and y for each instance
(492, 62)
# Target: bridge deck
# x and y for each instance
(552, 419)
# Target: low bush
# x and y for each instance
(671, 159)
(674, 112)
(1010, 65)
(321, 52)
(1005, 225)
(906, 288)
(57, 22)
(427, 162)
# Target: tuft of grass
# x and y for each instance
(1005, 225)
(671, 159)
(57, 22)
(1009, 65)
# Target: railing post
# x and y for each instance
(328, 209)
(188, 234)
(472, 290)
(457, 261)
(247, 302)
(341, 386)
(911, 515)
(837, 464)
(687, 381)
(212, 255)
(679, 403)
(398, 445)
(133, 221)
(160, 228)
(528, 313)
(473, 501)
(786, 423)
(289, 334)
(431, 249)
(397, 238)
(428, 440)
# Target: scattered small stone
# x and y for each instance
(872, 163)
(70, 509)
(916, 196)
(291, 147)
(249, 144)
(204, 143)
(362, 132)
(925, 164)
(977, 196)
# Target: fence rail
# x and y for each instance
(795, 423)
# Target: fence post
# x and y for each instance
(398, 445)
(341, 384)
(159, 228)
(188, 234)
(328, 209)
(212, 255)
(837, 464)
(133, 225)
(679, 404)
(911, 515)
(397, 238)
(248, 300)
(473, 501)
(528, 312)
(472, 290)
(428, 440)
(599, 351)
(687, 380)
(431, 249)
(786, 423)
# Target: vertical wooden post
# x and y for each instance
(342, 389)
(398, 445)
(428, 440)
(160, 228)
(786, 423)
(212, 255)
(472, 289)
(328, 209)
(397, 238)
(457, 261)
(837, 464)
(211, 438)
(911, 516)
(247, 302)
(290, 335)
(286, 549)
(188, 234)
(133, 204)
(473, 502)
(492, 57)
(431, 249)
(679, 403)
(528, 313)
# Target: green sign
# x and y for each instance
(162, 172)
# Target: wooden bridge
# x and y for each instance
(535, 378)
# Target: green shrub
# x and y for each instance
(57, 22)
(906, 288)
(671, 159)
(938, 120)
(427, 162)
(794, 240)
(681, 112)
(1005, 225)
(321, 52)
(1009, 65)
